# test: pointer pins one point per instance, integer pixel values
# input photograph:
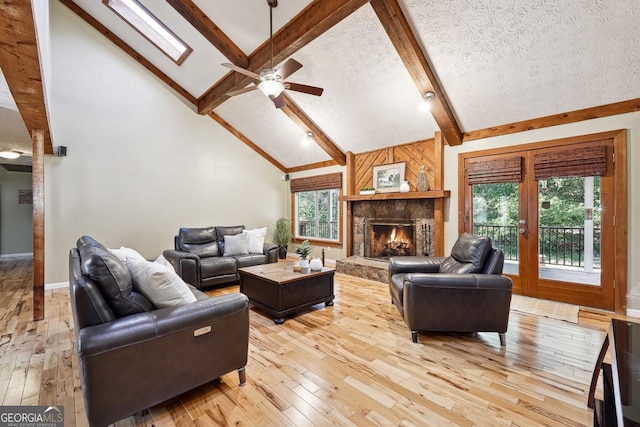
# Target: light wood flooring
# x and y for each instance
(352, 364)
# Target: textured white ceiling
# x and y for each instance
(498, 61)
(246, 22)
(256, 117)
(370, 101)
(503, 61)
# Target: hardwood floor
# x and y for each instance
(352, 364)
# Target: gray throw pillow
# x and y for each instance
(236, 245)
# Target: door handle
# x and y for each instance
(521, 230)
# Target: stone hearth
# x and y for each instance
(365, 268)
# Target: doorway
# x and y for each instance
(557, 209)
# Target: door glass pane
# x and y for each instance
(495, 214)
(569, 220)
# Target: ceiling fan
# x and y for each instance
(272, 82)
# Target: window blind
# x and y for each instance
(507, 169)
(318, 182)
(589, 161)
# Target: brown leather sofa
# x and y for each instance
(133, 356)
(198, 256)
(464, 292)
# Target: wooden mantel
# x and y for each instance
(435, 194)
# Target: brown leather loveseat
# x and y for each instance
(132, 355)
(201, 260)
(464, 292)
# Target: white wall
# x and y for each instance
(140, 163)
(630, 121)
(16, 220)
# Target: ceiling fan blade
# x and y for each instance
(243, 90)
(242, 71)
(311, 90)
(279, 101)
(288, 68)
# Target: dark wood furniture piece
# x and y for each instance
(279, 291)
(620, 404)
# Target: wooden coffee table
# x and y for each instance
(279, 291)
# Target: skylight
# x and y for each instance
(151, 28)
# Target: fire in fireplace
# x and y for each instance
(388, 239)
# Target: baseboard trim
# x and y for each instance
(58, 285)
(18, 255)
(633, 312)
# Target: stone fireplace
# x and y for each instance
(383, 228)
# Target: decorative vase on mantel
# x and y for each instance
(404, 187)
(422, 183)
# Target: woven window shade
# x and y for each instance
(590, 161)
(318, 182)
(508, 169)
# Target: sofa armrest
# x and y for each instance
(186, 264)
(457, 281)
(414, 264)
(138, 361)
(271, 251)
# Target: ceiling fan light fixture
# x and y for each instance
(271, 88)
(11, 155)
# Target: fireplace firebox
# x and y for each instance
(386, 238)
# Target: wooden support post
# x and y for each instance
(37, 137)
(438, 204)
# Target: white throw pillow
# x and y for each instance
(127, 253)
(256, 240)
(236, 245)
(162, 260)
(159, 283)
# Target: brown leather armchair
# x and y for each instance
(464, 292)
(132, 355)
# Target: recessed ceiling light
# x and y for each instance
(150, 28)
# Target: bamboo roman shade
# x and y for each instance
(318, 182)
(506, 169)
(589, 161)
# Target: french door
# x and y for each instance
(555, 209)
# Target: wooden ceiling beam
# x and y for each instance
(20, 63)
(313, 21)
(399, 31)
(128, 50)
(210, 31)
(305, 123)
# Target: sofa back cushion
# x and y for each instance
(227, 231)
(198, 241)
(468, 255)
(112, 278)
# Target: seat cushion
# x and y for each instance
(199, 241)
(251, 259)
(217, 266)
(468, 255)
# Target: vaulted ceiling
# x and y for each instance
(494, 65)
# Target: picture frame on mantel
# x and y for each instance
(387, 178)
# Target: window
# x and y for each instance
(151, 28)
(317, 207)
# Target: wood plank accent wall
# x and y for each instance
(428, 152)
(414, 154)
